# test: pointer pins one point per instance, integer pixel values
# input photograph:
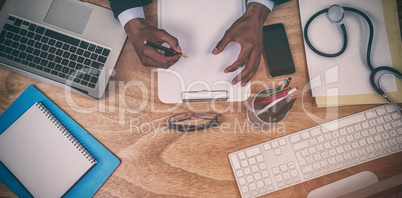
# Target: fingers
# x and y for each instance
(171, 40)
(249, 70)
(241, 60)
(150, 56)
(153, 58)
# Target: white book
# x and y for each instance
(42, 154)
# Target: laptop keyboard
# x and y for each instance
(67, 58)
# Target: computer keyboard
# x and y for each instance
(317, 151)
(43, 51)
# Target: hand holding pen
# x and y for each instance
(139, 31)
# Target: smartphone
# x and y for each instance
(278, 57)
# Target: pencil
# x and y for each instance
(164, 48)
(275, 102)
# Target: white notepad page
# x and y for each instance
(199, 25)
(40, 156)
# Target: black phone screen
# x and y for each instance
(277, 51)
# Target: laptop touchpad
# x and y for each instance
(68, 15)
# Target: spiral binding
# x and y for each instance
(66, 133)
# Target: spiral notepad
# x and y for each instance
(43, 154)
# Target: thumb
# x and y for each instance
(222, 44)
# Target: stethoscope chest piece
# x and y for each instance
(335, 13)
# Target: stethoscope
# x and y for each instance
(335, 14)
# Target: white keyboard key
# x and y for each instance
(381, 111)
(396, 124)
(267, 147)
(380, 129)
(307, 169)
(395, 115)
(305, 135)
(239, 173)
(235, 161)
(320, 139)
(392, 133)
(283, 167)
(252, 186)
(254, 168)
(244, 189)
(257, 176)
(391, 108)
(242, 155)
(247, 171)
(252, 161)
(365, 125)
(399, 139)
(276, 170)
(242, 181)
(253, 151)
(265, 173)
(275, 144)
(291, 165)
(282, 141)
(315, 131)
(268, 181)
(294, 173)
(278, 178)
(387, 118)
(371, 114)
(262, 166)
(301, 145)
(260, 158)
(277, 151)
(260, 184)
(399, 131)
(249, 178)
(294, 138)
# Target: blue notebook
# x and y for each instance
(87, 185)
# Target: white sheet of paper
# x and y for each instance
(199, 25)
(353, 72)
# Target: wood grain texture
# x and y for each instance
(157, 162)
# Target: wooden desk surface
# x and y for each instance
(156, 162)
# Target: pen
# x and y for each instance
(259, 99)
(275, 102)
(287, 83)
(268, 100)
(164, 48)
(284, 83)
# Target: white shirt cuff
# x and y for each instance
(132, 13)
(267, 3)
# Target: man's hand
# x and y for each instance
(247, 31)
(138, 32)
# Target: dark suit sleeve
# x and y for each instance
(118, 6)
(277, 2)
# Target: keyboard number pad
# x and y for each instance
(251, 172)
(286, 174)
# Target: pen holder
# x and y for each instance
(270, 117)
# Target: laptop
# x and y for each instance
(66, 43)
